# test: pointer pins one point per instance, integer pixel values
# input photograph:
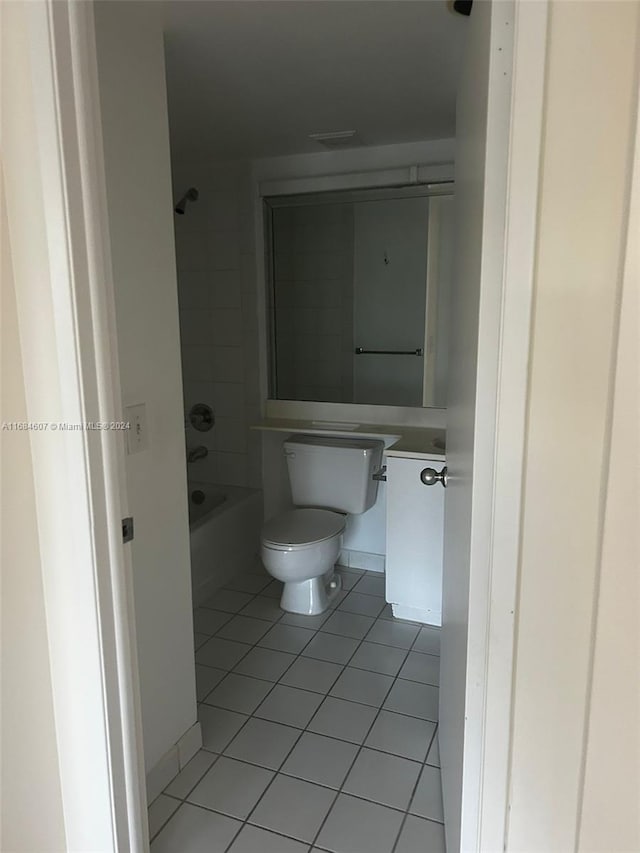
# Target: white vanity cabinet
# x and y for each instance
(415, 530)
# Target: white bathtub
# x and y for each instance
(224, 534)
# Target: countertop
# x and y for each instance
(401, 441)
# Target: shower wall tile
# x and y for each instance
(228, 399)
(197, 362)
(224, 250)
(228, 364)
(227, 289)
(230, 435)
(226, 327)
(217, 292)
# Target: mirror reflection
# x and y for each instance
(358, 297)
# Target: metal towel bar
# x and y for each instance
(361, 351)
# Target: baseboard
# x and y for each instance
(173, 761)
(361, 560)
(414, 614)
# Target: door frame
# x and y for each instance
(513, 169)
(58, 233)
(62, 52)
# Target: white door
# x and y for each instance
(480, 175)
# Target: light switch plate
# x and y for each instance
(137, 436)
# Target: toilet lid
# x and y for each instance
(302, 527)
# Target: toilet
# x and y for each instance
(330, 479)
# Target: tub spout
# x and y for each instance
(195, 453)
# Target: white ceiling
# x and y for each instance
(252, 78)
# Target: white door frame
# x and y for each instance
(511, 195)
(96, 655)
(56, 210)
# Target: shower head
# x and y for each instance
(190, 195)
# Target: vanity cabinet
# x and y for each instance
(415, 532)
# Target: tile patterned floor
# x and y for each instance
(320, 733)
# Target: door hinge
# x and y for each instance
(127, 529)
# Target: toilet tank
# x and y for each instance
(333, 473)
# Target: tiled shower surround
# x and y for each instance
(319, 733)
(218, 319)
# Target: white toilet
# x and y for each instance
(330, 478)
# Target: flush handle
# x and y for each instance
(430, 476)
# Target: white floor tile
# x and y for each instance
(194, 830)
(399, 634)
(244, 629)
(191, 774)
(263, 608)
(206, 679)
(365, 605)
(239, 693)
(383, 778)
(348, 624)
(371, 585)
(159, 813)
(231, 787)
(331, 647)
(417, 700)
(433, 757)
(387, 613)
(404, 736)
(263, 742)
(421, 835)
(320, 759)
(286, 638)
(311, 674)
(249, 583)
(428, 641)
(273, 589)
(377, 658)
(209, 621)
(289, 705)
(341, 719)
(349, 579)
(199, 640)
(293, 807)
(252, 839)
(358, 685)
(355, 826)
(223, 654)
(302, 621)
(265, 663)
(218, 726)
(427, 801)
(228, 600)
(423, 668)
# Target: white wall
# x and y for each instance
(218, 317)
(136, 146)
(609, 818)
(584, 179)
(31, 817)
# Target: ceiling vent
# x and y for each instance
(337, 139)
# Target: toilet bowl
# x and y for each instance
(329, 478)
(300, 548)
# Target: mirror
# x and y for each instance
(358, 295)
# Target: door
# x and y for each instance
(483, 115)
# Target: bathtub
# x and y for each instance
(224, 523)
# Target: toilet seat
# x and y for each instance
(302, 528)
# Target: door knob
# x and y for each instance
(430, 476)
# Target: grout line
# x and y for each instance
(324, 694)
